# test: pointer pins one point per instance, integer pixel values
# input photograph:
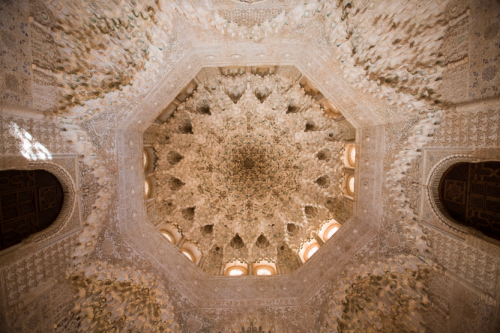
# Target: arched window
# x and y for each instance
(350, 185)
(150, 187)
(167, 235)
(311, 250)
(470, 194)
(148, 164)
(188, 254)
(145, 160)
(264, 270)
(236, 268)
(30, 201)
(236, 271)
(351, 155)
(147, 188)
(330, 231)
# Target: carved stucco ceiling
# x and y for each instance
(255, 159)
(249, 13)
(171, 48)
(261, 4)
(330, 42)
(131, 60)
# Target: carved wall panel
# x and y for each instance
(40, 267)
(31, 137)
(478, 129)
(16, 74)
(478, 267)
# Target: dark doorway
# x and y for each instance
(30, 201)
(470, 193)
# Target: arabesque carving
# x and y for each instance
(102, 72)
(248, 165)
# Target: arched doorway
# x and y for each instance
(470, 194)
(30, 201)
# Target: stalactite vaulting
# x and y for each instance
(249, 166)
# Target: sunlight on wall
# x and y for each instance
(30, 149)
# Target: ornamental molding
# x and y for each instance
(326, 79)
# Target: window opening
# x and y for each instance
(263, 271)
(167, 235)
(352, 156)
(311, 251)
(331, 232)
(236, 272)
(145, 159)
(147, 188)
(350, 185)
(188, 255)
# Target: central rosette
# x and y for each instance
(248, 163)
(254, 167)
(251, 170)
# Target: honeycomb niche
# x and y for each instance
(252, 150)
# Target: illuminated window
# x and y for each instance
(145, 159)
(331, 231)
(146, 188)
(350, 185)
(236, 271)
(167, 235)
(235, 268)
(264, 271)
(311, 251)
(188, 254)
(352, 156)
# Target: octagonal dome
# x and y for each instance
(254, 153)
(250, 166)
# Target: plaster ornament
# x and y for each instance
(365, 40)
(242, 156)
(113, 300)
(390, 297)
